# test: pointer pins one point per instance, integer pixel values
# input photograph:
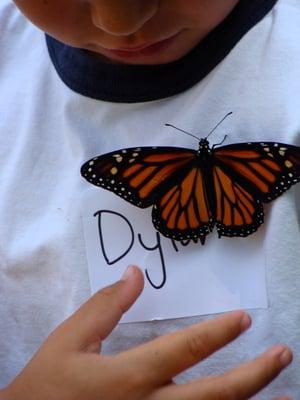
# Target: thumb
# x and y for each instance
(96, 318)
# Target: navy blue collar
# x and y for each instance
(87, 75)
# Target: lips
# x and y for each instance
(143, 50)
(134, 49)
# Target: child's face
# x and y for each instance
(129, 31)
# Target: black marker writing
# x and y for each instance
(161, 254)
(114, 259)
(101, 235)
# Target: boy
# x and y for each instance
(129, 59)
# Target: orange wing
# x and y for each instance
(139, 175)
(193, 190)
(265, 170)
(237, 212)
(183, 211)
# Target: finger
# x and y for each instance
(96, 318)
(240, 383)
(283, 398)
(94, 347)
(160, 360)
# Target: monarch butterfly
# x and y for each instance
(194, 190)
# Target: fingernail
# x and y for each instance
(284, 354)
(245, 322)
(128, 273)
(286, 357)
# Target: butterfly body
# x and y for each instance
(193, 191)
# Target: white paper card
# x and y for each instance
(180, 281)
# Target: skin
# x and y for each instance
(96, 25)
(68, 365)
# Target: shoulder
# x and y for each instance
(290, 5)
(287, 12)
(277, 37)
(24, 65)
(11, 20)
(285, 32)
(21, 44)
(15, 31)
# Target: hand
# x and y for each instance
(68, 365)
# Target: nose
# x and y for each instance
(122, 17)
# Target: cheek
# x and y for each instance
(40, 12)
(63, 19)
(209, 12)
(185, 13)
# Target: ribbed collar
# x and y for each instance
(121, 83)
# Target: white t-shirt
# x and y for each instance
(47, 131)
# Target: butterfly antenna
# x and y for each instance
(181, 130)
(227, 115)
(219, 144)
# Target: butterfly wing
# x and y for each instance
(183, 211)
(247, 174)
(139, 175)
(266, 169)
(186, 206)
(237, 211)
